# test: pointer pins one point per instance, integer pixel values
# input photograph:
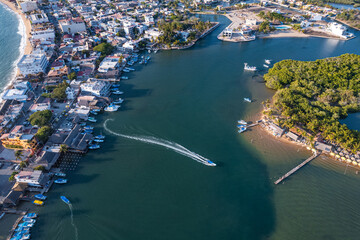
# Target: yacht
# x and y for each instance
(65, 200)
(210, 163)
(91, 119)
(247, 100)
(40, 197)
(118, 92)
(267, 61)
(31, 215)
(249, 68)
(242, 122)
(242, 129)
(100, 137)
(60, 181)
(94, 146)
(112, 108)
(266, 66)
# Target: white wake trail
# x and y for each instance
(164, 143)
(72, 221)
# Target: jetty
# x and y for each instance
(316, 154)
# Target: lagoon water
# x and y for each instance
(133, 190)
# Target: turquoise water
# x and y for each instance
(133, 190)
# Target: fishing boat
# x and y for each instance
(88, 127)
(210, 163)
(124, 78)
(94, 113)
(100, 137)
(242, 122)
(91, 119)
(125, 70)
(40, 197)
(266, 66)
(60, 181)
(242, 129)
(65, 200)
(267, 61)
(94, 146)
(60, 174)
(29, 220)
(31, 215)
(98, 140)
(247, 100)
(112, 108)
(118, 92)
(38, 202)
(249, 68)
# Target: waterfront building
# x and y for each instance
(18, 139)
(292, 136)
(27, 5)
(73, 25)
(33, 179)
(96, 87)
(15, 94)
(109, 63)
(323, 147)
(277, 131)
(43, 33)
(39, 18)
(32, 64)
(337, 29)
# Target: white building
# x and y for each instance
(337, 29)
(32, 64)
(43, 34)
(250, 22)
(149, 19)
(39, 18)
(15, 94)
(96, 87)
(31, 178)
(70, 93)
(27, 6)
(109, 63)
(73, 25)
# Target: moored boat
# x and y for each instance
(118, 92)
(249, 68)
(112, 108)
(210, 163)
(31, 215)
(94, 146)
(60, 181)
(40, 197)
(124, 78)
(38, 202)
(267, 61)
(98, 140)
(242, 122)
(247, 100)
(266, 66)
(100, 137)
(91, 119)
(242, 129)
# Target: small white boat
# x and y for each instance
(124, 78)
(242, 122)
(125, 70)
(91, 119)
(112, 108)
(100, 137)
(266, 66)
(267, 61)
(118, 92)
(94, 146)
(249, 68)
(60, 174)
(96, 110)
(247, 100)
(98, 140)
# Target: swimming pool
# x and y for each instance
(282, 27)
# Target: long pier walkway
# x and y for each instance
(297, 168)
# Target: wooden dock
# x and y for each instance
(16, 224)
(297, 168)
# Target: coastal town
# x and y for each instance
(77, 54)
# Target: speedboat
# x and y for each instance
(98, 140)
(241, 126)
(210, 163)
(94, 146)
(266, 66)
(38, 202)
(267, 61)
(242, 122)
(114, 89)
(40, 197)
(247, 100)
(88, 131)
(130, 69)
(249, 68)
(100, 137)
(94, 113)
(125, 70)
(31, 215)
(118, 92)
(119, 101)
(115, 85)
(242, 129)
(65, 200)
(60, 181)
(112, 108)
(60, 174)
(29, 220)
(91, 119)
(88, 127)
(25, 236)
(96, 110)
(124, 78)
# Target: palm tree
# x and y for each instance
(18, 154)
(64, 148)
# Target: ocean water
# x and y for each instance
(11, 44)
(146, 183)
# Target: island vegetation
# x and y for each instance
(350, 17)
(314, 96)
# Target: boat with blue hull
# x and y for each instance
(65, 200)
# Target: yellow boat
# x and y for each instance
(38, 202)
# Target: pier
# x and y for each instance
(297, 168)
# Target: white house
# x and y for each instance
(250, 22)
(32, 64)
(95, 87)
(39, 18)
(31, 178)
(73, 25)
(27, 6)
(109, 63)
(43, 34)
(337, 29)
(315, 17)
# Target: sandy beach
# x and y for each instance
(28, 47)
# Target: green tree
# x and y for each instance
(64, 148)
(18, 154)
(23, 164)
(12, 176)
(43, 133)
(72, 76)
(40, 168)
(40, 118)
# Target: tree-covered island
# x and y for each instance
(313, 96)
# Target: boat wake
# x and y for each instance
(164, 143)
(72, 221)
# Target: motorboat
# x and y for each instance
(100, 137)
(65, 200)
(96, 110)
(98, 140)
(118, 92)
(91, 119)
(29, 220)
(124, 78)
(119, 101)
(94, 113)
(210, 163)
(40, 197)
(112, 108)
(60, 181)
(242, 129)
(94, 146)
(267, 61)
(242, 122)
(125, 70)
(130, 69)
(249, 68)
(115, 85)
(38, 202)
(266, 66)
(31, 215)
(247, 100)
(89, 127)
(115, 89)
(60, 174)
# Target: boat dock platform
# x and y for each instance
(16, 224)
(297, 168)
